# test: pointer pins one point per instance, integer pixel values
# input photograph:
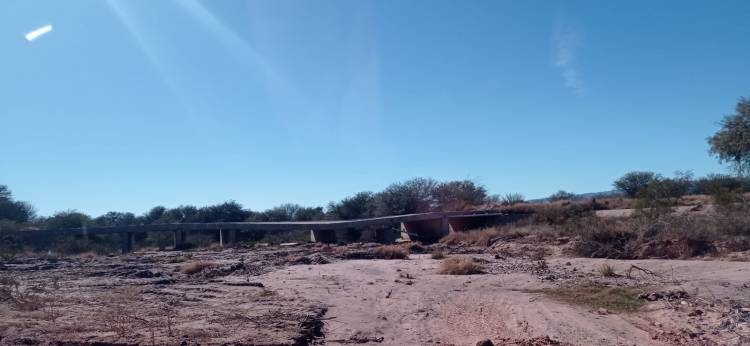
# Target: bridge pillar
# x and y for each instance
(426, 231)
(323, 236)
(179, 240)
(352, 235)
(385, 235)
(128, 242)
(405, 232)
(227, 237)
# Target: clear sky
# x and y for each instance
(125, 105)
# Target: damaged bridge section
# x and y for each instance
(431, 230)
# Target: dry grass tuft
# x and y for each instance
(391, 252)
(666, 236)
(484, 237)
(178, 259)
(460, 266)
(611, 298)
(195, 267)
(607, 271)
(88, 255)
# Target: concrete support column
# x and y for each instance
(445, 226)
(128, 242)
(352, 235)
(327, 236)
(227, 237)
(405, 232)
(385, 235)
(179, 240)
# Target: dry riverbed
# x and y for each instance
(312, 294)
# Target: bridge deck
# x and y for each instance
(269, 226)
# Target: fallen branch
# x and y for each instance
(644, 270)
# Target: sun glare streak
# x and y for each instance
(232, 39)
(278, 87)
(149, 50)
(34, 34)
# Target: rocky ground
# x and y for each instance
(318, 295)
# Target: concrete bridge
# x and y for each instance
(426, 227)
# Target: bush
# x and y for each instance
(663, 236)
(193, 268)
(482, 237)
(391, 252)
(460, 266)
(512, 199)
(714, 183)
(663, 193)
(557, 213)
(437, 255)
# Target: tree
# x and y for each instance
(731, 144)
(633, 182)
(183, 213)
(309, 214)
(289, 212)
(114, 218)
(561, 195)
(5, 192)
(67, 219)
(359, 206)
(412, 196)
(10, 209)
(229, 211)
(154, 214)
(459, 194)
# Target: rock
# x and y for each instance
(485, 342)
(602, 311)
(143, 274)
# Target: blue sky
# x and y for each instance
(129, 104)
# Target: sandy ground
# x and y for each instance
(373, 301)
(314, 295)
